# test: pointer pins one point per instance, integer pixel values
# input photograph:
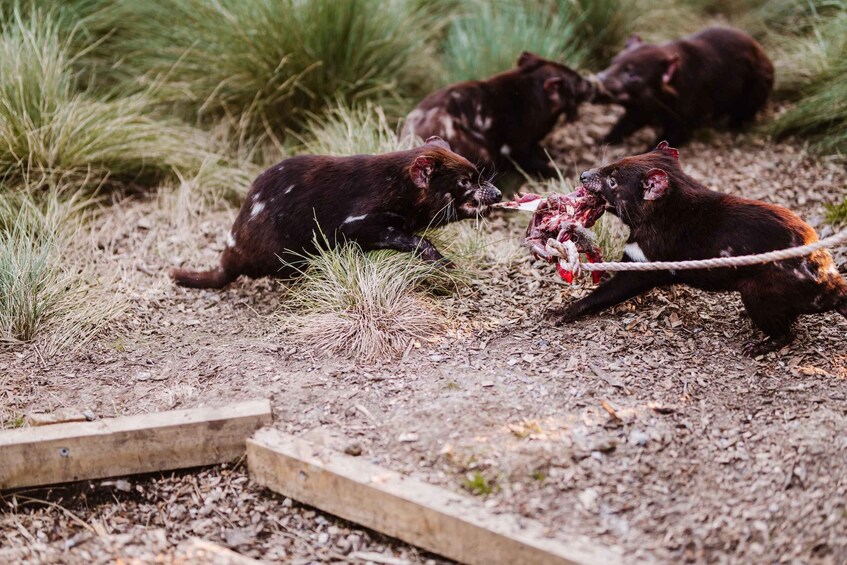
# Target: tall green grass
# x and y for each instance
(352, 130)
(51, 130)
(44, 293)
(490, 36)
(267, 64)
(814, 69)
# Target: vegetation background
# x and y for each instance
(192, 98)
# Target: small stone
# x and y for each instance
(123, 486)
(588, 499)
(89, 415)
(408, 437)
(638, 437)
(353, 449)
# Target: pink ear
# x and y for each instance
(633, 42)
(673, 66)
(438, 142)
(421, 170)
(551, 87)
(656, 184)
(664, 146)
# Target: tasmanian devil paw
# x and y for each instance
(559, 316)
(756, 348)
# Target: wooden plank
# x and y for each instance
(133, 444)
(453, 525)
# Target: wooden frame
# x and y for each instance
(441, 521)
(144, 443)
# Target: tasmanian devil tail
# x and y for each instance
(216, 278)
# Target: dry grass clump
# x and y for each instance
(365, 305)
(45, 294)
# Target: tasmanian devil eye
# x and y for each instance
(612, 182)
(465, 183)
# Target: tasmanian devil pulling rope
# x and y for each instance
(568, 256)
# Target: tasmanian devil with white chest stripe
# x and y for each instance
(672, 217)
(377, 201)
(505, 117)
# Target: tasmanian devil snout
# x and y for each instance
(378, 201)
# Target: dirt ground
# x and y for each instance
(643, 427)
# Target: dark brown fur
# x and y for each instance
(687, 84)
(378, 201)
(504, 117)
(672, 217)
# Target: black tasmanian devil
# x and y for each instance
(504, 117)
(672, 217)
(686, 84)
(378, 201)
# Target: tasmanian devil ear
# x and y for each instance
(672, 66)
(438, 142)
(656, 184)
(421, 170)
(633, 42)
(666, 148)
(552, 86)
(526, 58)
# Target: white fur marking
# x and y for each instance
(506, 150)
(256, 209)
(281, 167)
(351, 219)
(289, 189)
(230, 240)
(447, 122)
(635, 253)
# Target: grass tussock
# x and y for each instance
(490, 36)
(814, 67)
(46, 296)
(836, 214)
(352, 130)
(53, 133)
(366, 305)
(267, 63)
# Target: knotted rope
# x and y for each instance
(569, 258)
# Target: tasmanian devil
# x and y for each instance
(672, 217)
(682, 85)
(378, 201)
(504, 117)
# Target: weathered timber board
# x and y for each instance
(449, 524)
(132, 444)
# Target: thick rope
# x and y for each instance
(569, 258)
